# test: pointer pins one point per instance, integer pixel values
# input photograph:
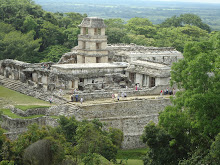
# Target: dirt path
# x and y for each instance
(110, 100)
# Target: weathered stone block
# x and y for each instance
(51, 87)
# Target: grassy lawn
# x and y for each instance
(8, 96)
(132, 154)
(131, 157)
(130, 162)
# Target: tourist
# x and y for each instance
(50, 100)
(171, 92)
(122, 94)
(72, 96)
(161, 92)
(164, 91)
(81, 100)
(118, 97)
(60, 92)
(136, 87)
(76, 97)
(113, 96)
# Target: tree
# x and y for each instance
(161, 147)
(193, 121)
(68, 127)
(185, 19)
(44, 152)
(91, 139)
(54, 53)
(15, 45)
(51, 35)
(115, 30)
(133, 23)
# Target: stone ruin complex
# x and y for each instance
(97, 70)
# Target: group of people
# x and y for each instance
(168, 92)
(123, 94)
(76, 96)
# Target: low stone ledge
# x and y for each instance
(14, 125)
(29, 112)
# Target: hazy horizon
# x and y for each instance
(199, 1)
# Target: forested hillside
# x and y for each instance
(155, 11)
(29, 33)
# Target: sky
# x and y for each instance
(202, 1)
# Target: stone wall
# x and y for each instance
(29, 112)
(129, 116)
(132, 52)
(20, 125)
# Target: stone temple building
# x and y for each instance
(97, 70)
(94, 65)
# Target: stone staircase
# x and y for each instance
(29, 90)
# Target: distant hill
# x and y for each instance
(155, 11)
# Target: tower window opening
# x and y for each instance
(98, 46)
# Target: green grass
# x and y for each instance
(26, 107)
(130, 162)
(55, 117)
(132, 154)
(8, 113)
(8, 96)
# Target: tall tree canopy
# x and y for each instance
(193, 122)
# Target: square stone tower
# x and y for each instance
(92, 41)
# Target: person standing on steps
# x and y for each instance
(50, 100)
(113, 96)
(76, 97)
(81, 100)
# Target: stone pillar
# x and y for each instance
(16, 75)
(91, 31)
(147, 81)
(92, 45)
(70, 84)
(44, 79)
(127, 74)
(80, 59)
(103, 45)
(76, 81)
(80, 44)
(102, 31)
(35, 77)
(104, 59)
(90, 59)
(87, 45)
(83, 31)
(139, 79)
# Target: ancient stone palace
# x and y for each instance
(97, 70)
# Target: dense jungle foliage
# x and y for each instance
(188, 132)
(28, 33)
(72, 142)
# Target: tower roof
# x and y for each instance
(92, 22)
